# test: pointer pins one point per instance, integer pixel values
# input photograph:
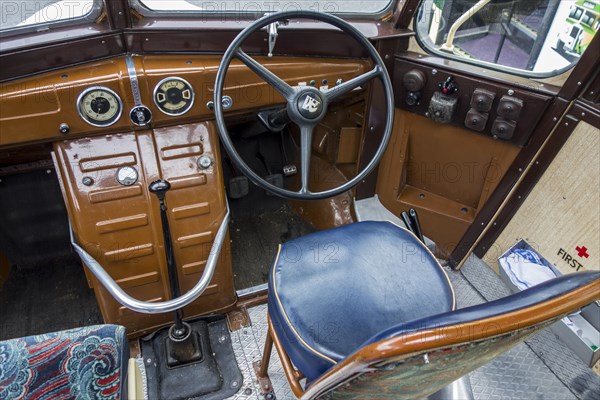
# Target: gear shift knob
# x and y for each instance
(160, 188)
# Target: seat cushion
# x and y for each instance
(83, 363)
(331, 291)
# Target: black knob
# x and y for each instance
(448, 86)
(159, 188)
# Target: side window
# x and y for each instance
(40, 15)
(537, 38)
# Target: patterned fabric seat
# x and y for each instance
(82, 363)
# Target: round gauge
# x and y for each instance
(99, 106)
(127, 176)
(174, 96)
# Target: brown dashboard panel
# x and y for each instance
(120, 225)
(487, 108)
(33, 109)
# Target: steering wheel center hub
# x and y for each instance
(310, 104)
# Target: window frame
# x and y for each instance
(480, 63)
(44, 27)
(145, 11)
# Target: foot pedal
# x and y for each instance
(275, 180)
(289, 170)
(238, 187)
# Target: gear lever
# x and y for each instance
(183, 345)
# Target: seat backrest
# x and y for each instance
(418, 358)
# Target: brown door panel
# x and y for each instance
(446, 173)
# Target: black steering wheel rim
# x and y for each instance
(234, 50)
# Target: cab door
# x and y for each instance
(478, 93)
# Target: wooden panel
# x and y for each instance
(534, 104)
(561, 216)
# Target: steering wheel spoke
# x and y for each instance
(279, 84)
(353, 83)
(306, 134)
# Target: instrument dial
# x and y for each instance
(174, 96)
(99, 106)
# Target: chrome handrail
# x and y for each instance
(165, 306)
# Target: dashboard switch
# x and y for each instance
(414, 80)
(448, 87)
(476, 120)
(482, 100)
(503, 128)
(510, 107)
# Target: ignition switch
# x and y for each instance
(448, 86)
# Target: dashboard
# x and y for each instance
(138, 92)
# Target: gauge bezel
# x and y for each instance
(185, 109)
(86, 118)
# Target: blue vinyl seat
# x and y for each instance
(366, 309)
(333, 290)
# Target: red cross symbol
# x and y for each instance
(582, 251)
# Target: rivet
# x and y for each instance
(48, 171)
(434, 71)
(147, 39)
(554, 119)
(520, 169)
(566, 124)
(578, 83)
(149, 361)
(519, 197)
(372, 128)
(511, 92)
(87, 181)
(583, 114)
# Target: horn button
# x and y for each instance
(310, 104)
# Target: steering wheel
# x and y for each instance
(306, 106)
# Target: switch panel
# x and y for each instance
(510, 107)
(482, 100)
(503, 128)
(476, 120)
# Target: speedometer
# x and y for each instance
(174, 96)
(99, 106)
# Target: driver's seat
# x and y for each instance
(355, 305)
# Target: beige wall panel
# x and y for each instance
(563, 210)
